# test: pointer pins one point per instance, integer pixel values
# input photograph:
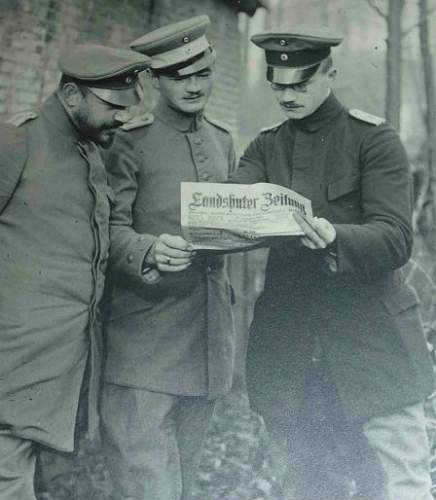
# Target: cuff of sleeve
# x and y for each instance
(331, 256)
(135, 257)
(150, 275)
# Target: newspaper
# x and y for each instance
(218, 216)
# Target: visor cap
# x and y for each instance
(294, 55)
(180, 48)
(111, 74)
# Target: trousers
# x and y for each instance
(152, 441)
(384, 458)
(17, 467)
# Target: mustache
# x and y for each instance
(290, 104)
(194, 94)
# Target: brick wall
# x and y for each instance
(32, 33)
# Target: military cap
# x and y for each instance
(294, 55)
(111, 74)
(178, 49)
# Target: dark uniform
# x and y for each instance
(54, 231)
(170, 342)
(336, 340)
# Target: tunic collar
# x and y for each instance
(328, 110)
(54, 112)
(180, 121)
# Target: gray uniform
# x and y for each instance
(174, 337)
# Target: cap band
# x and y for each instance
(290, 76)
(299, 59)
(186, 51)
(124, 98)
(121, 82)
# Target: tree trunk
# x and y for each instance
(393, 63)
(430, 118)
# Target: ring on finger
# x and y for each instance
(168, 260)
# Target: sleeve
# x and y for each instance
(231, 156)
(383, 240)
(128, 248)
(252, 165)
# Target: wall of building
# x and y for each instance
(33, 32)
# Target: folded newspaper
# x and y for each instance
(217, 216)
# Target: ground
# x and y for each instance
(235, 465)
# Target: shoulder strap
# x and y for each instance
(13, 158)
(138, 122)
(363, 116)
(220, 125)
(21, 118)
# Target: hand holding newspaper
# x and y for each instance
(217, 216)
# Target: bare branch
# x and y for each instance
(411, 28)
(375, 7)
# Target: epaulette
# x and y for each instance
(366, 117)
(218, 124)
(138, 121)
(21, 118)
(272, 128)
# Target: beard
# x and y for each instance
(102, 135)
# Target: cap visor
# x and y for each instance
(121, 97)
(200, 63)
(290, 76)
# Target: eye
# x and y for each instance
(278, 87)
(300, 87)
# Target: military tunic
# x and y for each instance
(54, 236)
(175, 336)
(363, 317)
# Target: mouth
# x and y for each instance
(290, 106)
(193, 98)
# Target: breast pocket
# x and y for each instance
(343, 197)
(399, 299)
(342, 187)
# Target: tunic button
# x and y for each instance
(205, 177)
(209, 269)
(202, 159)
(198, 141)
(130, 258)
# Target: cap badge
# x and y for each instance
(283, 42)
(129, 79)
(186, 39)
(284, 57)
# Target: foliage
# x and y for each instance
(234, 465)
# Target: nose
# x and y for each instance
(122, 116)
(288, 94)
(192, 84)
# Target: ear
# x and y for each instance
(72, 94)
(155, 82)
(332, 74)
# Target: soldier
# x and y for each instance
(54, 221)
(337, 360)
(170, 333)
